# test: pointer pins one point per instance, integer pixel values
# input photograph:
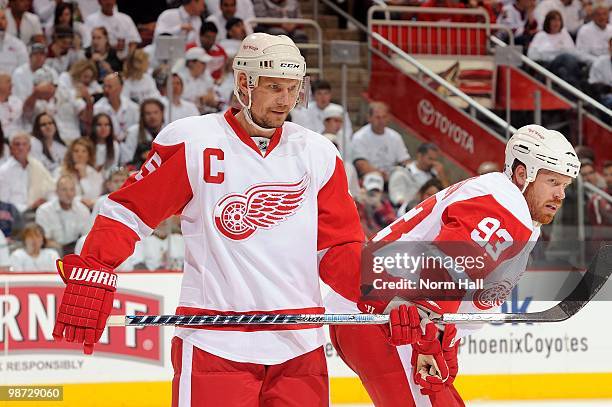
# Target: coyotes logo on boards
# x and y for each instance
(238, 216)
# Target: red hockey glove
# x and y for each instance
(435, 364)
(86, 303)
(404, 322)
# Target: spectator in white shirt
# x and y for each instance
(138, 142)
(236, 32)
(64, 16)
(208, 39)
(185, 20)
(180, 107)
(123, 34)
(375, 146)
(554, 48)
(122, 110)
(64, 218)
(600, 77)
(106, 147)
(163, 250)
(4, 253)
(571, 10)
(79, 164)
(114, 180)
(61, 53)
(43, 98)
(518, 17)
(23, 76)
(312, 116)
(74, 103)
(198, 84)
(593, 37)
(13, 52)
(34, 256)
(138, 85)
(47, 145)
(405, 182)
(244, 8)
(23, 24)
(227, 10)
(10, 107)
(26, 183)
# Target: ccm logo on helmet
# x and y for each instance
(289, 65)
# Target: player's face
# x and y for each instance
(545, 195)
(273, 99)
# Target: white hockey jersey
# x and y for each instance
(259, 229)
(485, 218)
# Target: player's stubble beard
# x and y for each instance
(536, 209)
(267, 123)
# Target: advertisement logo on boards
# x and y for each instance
(27, 317)
(429, 115)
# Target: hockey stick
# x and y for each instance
(593, 279)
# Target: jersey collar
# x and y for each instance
(245, 138)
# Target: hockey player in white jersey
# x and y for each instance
(495, 217)
(265, 213)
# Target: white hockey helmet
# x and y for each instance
(540, 148)
(262, 54)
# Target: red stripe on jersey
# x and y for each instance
(160, 190)
(244, 136)
(251, 328)
(339, 230)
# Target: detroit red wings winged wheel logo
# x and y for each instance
(493, 295)
(238, 216)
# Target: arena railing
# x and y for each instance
(473, 106)
(318, 45)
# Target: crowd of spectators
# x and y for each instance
(83, 95)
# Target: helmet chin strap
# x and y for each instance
(247, 114)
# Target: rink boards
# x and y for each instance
(131, 366)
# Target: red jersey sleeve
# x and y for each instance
(159, 190)
(340, 236)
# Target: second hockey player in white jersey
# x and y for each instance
(494, 217)
(265, 213)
